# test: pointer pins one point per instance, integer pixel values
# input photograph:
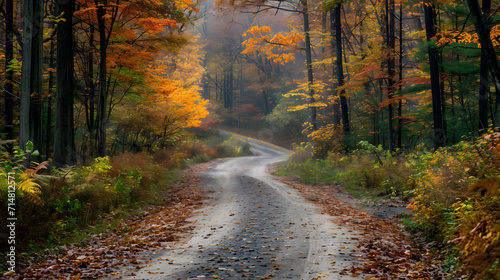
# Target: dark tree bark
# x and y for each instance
(91, 84)
(483, 32)
(231, 86)
(31, 80)
(400, 107)
(340, 68)
(48, 125)
(310, 79)
(390, 40)
(9, 75)
(64, 139)
(333, 39)
(430, 31)
(205, 81)
(484, 85)
(102, 118)
(225, 92)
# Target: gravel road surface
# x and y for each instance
(256, 228)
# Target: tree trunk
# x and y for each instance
(48, 127)
(102, 94)
(217, 99)
(32, 79)
(483, 32)
(206, 86)
(266, 102)
(310, 78)
(225, 91)
(390, 29)
(340, 69)
(336, 103)
(64, 139)
(231, 87)
(9, 75)
(484, 85)
(433, 63)
(91, 84)
(400, 107)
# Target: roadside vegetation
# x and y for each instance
(453, 193)
(56, 207)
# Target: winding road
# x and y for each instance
(256, 228)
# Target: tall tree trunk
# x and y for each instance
(32, 79)
(206, 86)
(484, 85)
(390, 29)
(91, 84)
(217, 99)
(430, 31)
(483, 32)
(400, 107)
(225, 89)
(231, 87)
(336, 104)
(340, 69)
(9, 74)
(266, 102)
(102, 118)
(64, 137)
(310, 79)
(48, 127)
(241, 84)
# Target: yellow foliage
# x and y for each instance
(327, 138)
(26, 187)
(274, 47)
(462, 37)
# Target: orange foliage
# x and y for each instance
(447, 37)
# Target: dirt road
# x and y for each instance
(256, 228)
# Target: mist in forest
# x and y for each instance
(245, 88)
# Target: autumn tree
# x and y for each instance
(129, 35)
(301, 7)
(174, 102)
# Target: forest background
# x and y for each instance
(400, 97)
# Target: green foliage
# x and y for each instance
(100, 166)
(233, 147)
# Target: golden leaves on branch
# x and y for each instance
(278, 48)
(448, 37)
